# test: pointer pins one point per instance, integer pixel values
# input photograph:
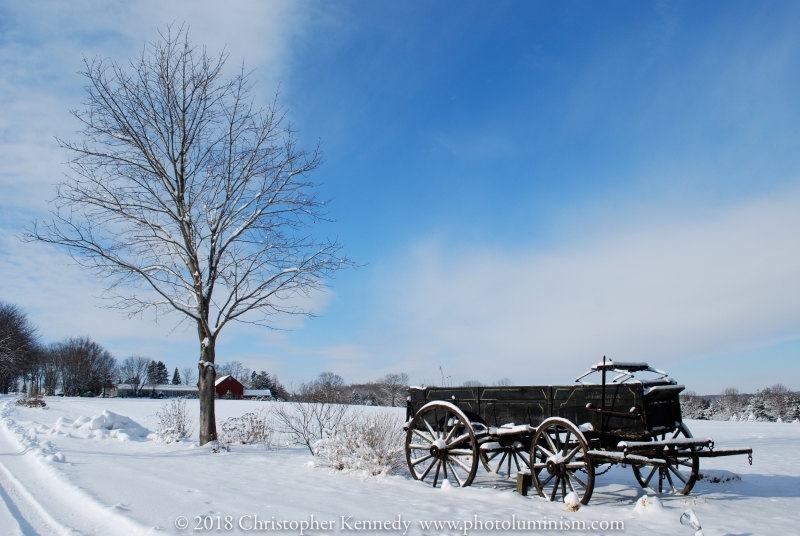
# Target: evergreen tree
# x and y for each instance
(163, 373)
(157, 373)
(260, 380)
(756, 409)
(279, 392)
(152, 373)
(176, 378)
(263, 380)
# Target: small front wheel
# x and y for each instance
(516, 452)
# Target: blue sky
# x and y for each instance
(528, 185)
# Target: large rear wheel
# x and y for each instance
(440, 445)
(679, 473)
(560, 463)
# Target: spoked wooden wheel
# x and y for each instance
(677, 476)
(440, 445)
(560, 461)
(493, 456)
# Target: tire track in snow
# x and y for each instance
(58, 498)
(9, 516)
(26, 512)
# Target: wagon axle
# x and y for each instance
(439, 449)
(555, 467)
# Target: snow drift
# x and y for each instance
(105, 425)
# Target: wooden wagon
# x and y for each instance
(562, 436)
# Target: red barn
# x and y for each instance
(228, 383)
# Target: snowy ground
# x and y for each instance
(74, 483)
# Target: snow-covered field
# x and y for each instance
(58, 478)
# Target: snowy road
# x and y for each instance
(20, 513)
(108, 486)
(37, 500)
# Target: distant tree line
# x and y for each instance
(773, 404)
(74, 366)
(79, 366)
(390, 390)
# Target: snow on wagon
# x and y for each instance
(559, 437)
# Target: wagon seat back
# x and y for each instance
(641, 402)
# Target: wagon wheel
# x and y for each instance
(496, 456)
(560, 461)
(680, 472)
(440, 445)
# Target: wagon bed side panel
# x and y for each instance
(518, 405)
(416, 399)
(466, 398)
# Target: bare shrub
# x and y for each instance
(307, 423)
(254, 428)
(174, 422)
(370, 442)
(31, 402)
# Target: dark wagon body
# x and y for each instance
(531, 405)
(566, 430)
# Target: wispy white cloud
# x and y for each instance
(695, 120)
(42, 46)
(661, 291)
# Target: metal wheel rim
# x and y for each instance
(441, 446)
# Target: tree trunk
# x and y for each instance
(205, 383)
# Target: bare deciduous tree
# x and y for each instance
(472, 383)
(328, 387)
(730, 403)
(237, 370)
(84, 366)
(189, 375)
(18, 344)
(393, 388)
(50, 372)
(184, 188)
(133, 371)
